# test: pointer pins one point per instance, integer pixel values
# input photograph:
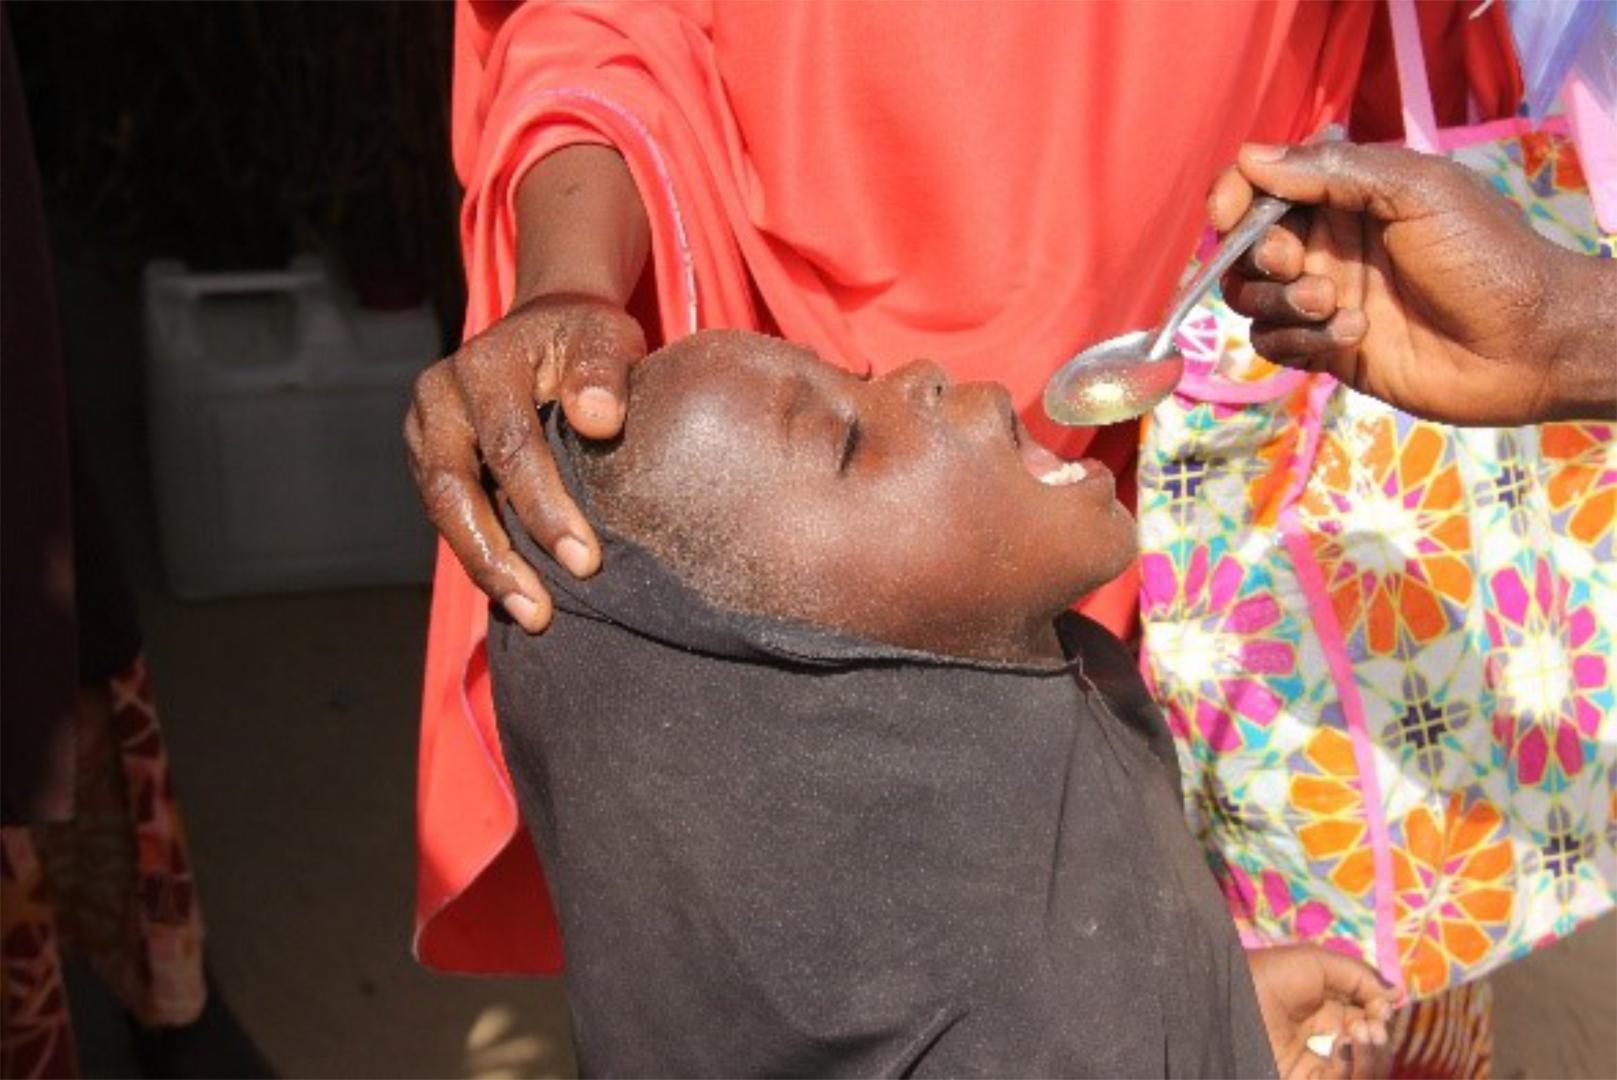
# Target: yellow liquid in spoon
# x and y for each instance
(1110, 392)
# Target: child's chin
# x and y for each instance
(1110, 556)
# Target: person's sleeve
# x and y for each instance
(533, 78)
(530, 79)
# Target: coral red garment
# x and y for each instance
(989, 187)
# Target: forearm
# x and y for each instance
(1585, 358)
(581, 227)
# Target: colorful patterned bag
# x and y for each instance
(1386, 646)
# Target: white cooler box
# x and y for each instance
(275, 406)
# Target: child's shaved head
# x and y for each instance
(649, 507)
(903, 509)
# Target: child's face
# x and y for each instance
(904, 508)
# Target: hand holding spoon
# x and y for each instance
(1125, 376)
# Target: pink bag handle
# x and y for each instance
(1594, 131)
(1414, 89)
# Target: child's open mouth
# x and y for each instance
(1069, 473)
(1045, 467)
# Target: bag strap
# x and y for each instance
(1594, 132)
(1414, 88)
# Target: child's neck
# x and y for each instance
(1036, 642)
(1041, 645)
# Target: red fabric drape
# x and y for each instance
(988, 186)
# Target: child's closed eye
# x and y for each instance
(850, 444)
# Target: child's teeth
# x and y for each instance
(1070, 473)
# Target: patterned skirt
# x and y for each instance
(1447, 1037)
(114, 883)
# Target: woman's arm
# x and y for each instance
(582, 241)
(581, 228)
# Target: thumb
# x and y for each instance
(1389, 183)
(594, 390)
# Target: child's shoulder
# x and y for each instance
(1108, 665)
(1101, 656)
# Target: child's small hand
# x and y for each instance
(1312, 997)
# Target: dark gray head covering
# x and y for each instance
(780, 850)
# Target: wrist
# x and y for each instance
(580, 290)
(579, 279)
(1583, 355)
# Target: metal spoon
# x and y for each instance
(1125, 376)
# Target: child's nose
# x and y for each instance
(921, 380)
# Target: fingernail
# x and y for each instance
(1263, 255)
(1263, 152)
(1310, 301)
(598, 404)
(574, 554)
(1349, 324)
(520, 608)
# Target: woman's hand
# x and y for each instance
(1309, 995)
(1407, 278)
(582, 244)
(478, 409)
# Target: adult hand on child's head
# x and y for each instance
(1407, 278)
(478, 408)
(1309, 994)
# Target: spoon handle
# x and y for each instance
(1265, 211)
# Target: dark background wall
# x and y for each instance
(234, 135)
